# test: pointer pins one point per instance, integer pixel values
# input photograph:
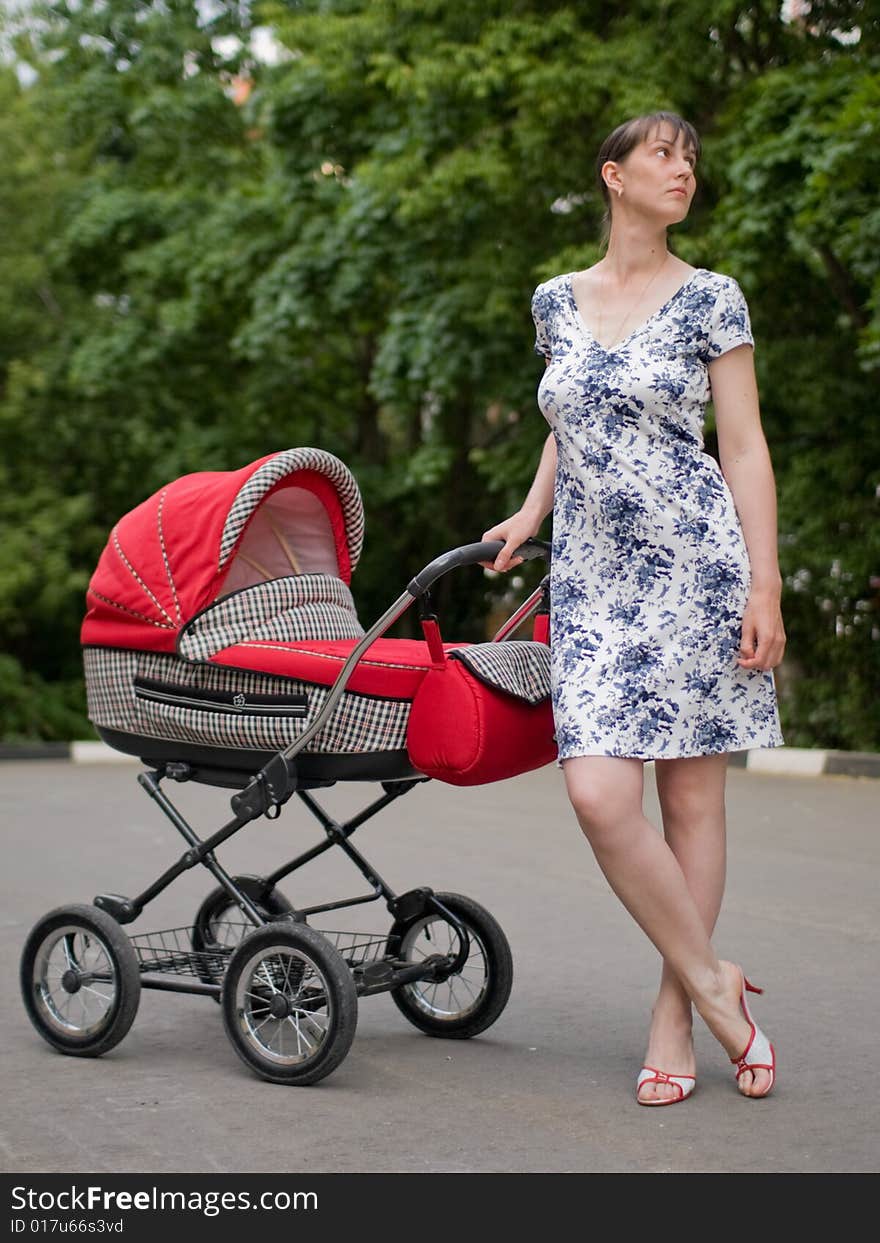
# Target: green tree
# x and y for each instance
(799, 218)
(346, 259)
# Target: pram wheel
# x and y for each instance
(80, 980)
(289, 1004)
(219, 922)
(469, 1001)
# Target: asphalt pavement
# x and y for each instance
(550, 1086)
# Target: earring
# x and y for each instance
(620, 192)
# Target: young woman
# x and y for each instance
(665, 585)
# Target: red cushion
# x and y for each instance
(464, 732)
(392, 668)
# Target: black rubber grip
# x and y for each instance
(472, 554)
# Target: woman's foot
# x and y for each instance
(670, 1048)
(723, 1014)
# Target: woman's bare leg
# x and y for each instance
(606, 794)
(691, 793)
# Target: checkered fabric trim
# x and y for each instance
(307, 606)
(360, 723)
(520, 667)
(277, 468)
(110, 675)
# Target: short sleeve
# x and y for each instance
(730, 325)
(539, 315)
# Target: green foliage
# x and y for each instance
(798, 223)
(345, 259)
(33, 708)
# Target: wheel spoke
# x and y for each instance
(309, 1017)
(68, 951)
(452, 994)
(267, 977)
(299, 1034)
(87, 988)
(469, 982)
(299, 1051)
(261, 1024)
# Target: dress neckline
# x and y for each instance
(618, 345)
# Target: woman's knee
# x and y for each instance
(691, 792)
(603, 791)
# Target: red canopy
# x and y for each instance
(168, 558)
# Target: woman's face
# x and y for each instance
(657, 176)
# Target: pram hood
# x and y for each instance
(220, 614)
(298, 511)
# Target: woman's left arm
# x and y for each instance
(745, 464)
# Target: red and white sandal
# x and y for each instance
(759, 1053)
(650, 1074)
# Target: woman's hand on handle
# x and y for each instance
(514, 531)
(527, 520)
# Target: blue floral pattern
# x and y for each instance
(650, 571)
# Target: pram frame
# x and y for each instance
(405, 906)
(264, 795)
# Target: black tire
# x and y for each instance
(483, 983)
(220, 924)
(292, 966)
(80, 952)
(219, 921)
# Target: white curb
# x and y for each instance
(801, 761)
(794, 761)
(98, 753)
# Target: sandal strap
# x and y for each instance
(758, 1051)
(650, 1074)
(744, 1066)
(758, 1054)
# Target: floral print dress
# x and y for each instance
(650, 572)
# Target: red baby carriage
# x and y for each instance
(222, 645)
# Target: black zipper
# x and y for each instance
(234, 703)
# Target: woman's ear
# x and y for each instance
(610, 175)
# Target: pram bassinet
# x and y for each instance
(220, 616)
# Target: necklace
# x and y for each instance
(631, 309)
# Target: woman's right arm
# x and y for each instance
(516, 529)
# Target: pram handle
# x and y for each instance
(273, 785)
(472, 554)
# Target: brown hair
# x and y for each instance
(621, 141)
